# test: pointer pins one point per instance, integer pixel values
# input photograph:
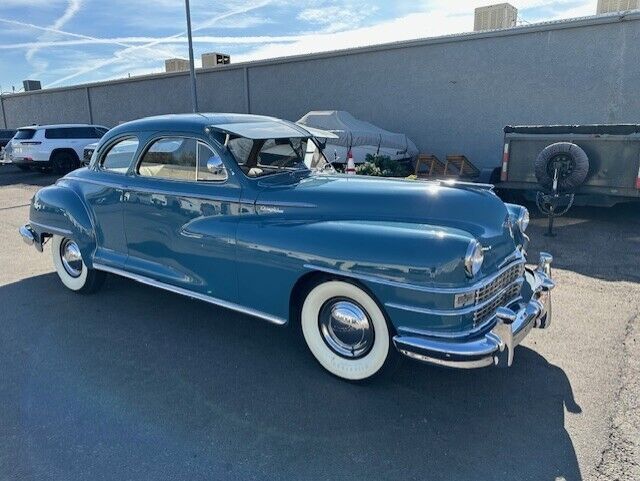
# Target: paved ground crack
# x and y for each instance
(621, 457)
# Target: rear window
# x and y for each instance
(72, 133)
(24, 134)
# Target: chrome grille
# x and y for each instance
(503, 280)
(505, 283)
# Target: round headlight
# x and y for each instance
(523, 219)
(474, 258)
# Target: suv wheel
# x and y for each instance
(64, 162)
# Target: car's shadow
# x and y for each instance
(11, 175)
(597, 242)
(137, 383)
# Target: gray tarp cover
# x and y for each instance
(352, 132)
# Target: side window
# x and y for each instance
(210, 166)
(84, 133)
(170, 158)
(119, 157)
(54, 133)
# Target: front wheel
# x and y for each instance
(346, 331)
(71, 269)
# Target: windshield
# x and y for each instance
(258, 158)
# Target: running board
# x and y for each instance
(193, 295)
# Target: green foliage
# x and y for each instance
(382, 166)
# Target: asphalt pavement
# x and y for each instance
(137, 383)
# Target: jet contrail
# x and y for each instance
(73, 6)
(135, 40)
(81, 38)
(121, 55)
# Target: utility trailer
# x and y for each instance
(600, 164)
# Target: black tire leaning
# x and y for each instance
(579, 166)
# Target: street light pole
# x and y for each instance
(192, 69)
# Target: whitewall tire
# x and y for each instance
(346, 331)
(70, 267)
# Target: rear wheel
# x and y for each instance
(346, 331)
(71, 269)
(64, 162)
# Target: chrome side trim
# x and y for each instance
(455, 335)
(194, 295)
(404, 285)
(457, 312)
(282, 203)
(49, 229)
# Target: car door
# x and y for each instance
(180, 218)
(105, 193)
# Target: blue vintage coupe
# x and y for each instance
(243, 211)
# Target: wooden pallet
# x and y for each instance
(428, 166)
(463, 165)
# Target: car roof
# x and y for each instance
(221, 121)
(56, 126)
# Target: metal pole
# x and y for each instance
(192, 70)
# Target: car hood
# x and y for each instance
(475, 210)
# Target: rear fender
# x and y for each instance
(58, 210)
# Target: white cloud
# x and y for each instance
(440, 17)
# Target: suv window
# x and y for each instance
(170, 158)
(72, 133)
(119, 156)
(25, 134)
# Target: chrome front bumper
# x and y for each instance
(495, 347)
(30, 237)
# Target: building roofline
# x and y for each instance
(602, 19)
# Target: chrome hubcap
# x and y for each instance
(346, 328)
(71, 258)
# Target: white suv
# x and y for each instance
(53, 147)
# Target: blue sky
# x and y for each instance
(66, 42)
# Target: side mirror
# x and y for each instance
(216, 168)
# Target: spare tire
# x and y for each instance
(571, 162)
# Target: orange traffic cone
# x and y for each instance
(351, 166)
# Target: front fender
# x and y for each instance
(417, 254)
(58, 210)
(273, 254)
